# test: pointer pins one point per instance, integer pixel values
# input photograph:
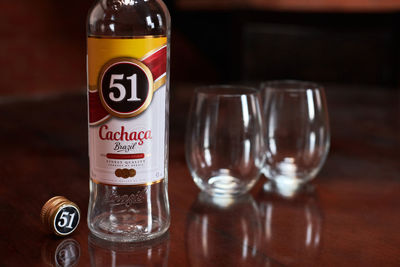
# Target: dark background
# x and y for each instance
(43, 44)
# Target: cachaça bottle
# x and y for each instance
(128, 43)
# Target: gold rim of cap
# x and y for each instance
(50, 210)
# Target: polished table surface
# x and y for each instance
(348, 216)
(293, 5)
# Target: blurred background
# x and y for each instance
(354, 42)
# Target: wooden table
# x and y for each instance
(350, 218)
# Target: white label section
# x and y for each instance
(130, 151)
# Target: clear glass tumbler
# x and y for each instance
(296, 128)
(224, 140)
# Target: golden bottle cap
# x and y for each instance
(60, 216)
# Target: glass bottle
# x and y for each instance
(128, 97)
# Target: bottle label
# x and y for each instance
(127, 100)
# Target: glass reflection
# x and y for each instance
(292, 226)
(224, 232)
(61, 252)
(149, 253)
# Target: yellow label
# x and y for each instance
(102, 50)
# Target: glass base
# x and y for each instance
(224, 186)
(287, 187)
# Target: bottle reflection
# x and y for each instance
(224, 232)
(148, 253)
(291, 226)
(61, 252)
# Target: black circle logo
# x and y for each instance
(126, 87)
(66, 220)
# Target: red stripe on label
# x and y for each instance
(157, 63)
(96, 110)
(125, 156)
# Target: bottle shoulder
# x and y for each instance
(128, 18)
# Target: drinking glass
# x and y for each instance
(224, 140)
(296, 128)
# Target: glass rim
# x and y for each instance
(225, 90)
(291, 85)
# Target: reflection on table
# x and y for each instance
(149, 253)
(217, 226)
(291, 226)
(59, 252)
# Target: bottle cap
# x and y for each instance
(60, 216)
